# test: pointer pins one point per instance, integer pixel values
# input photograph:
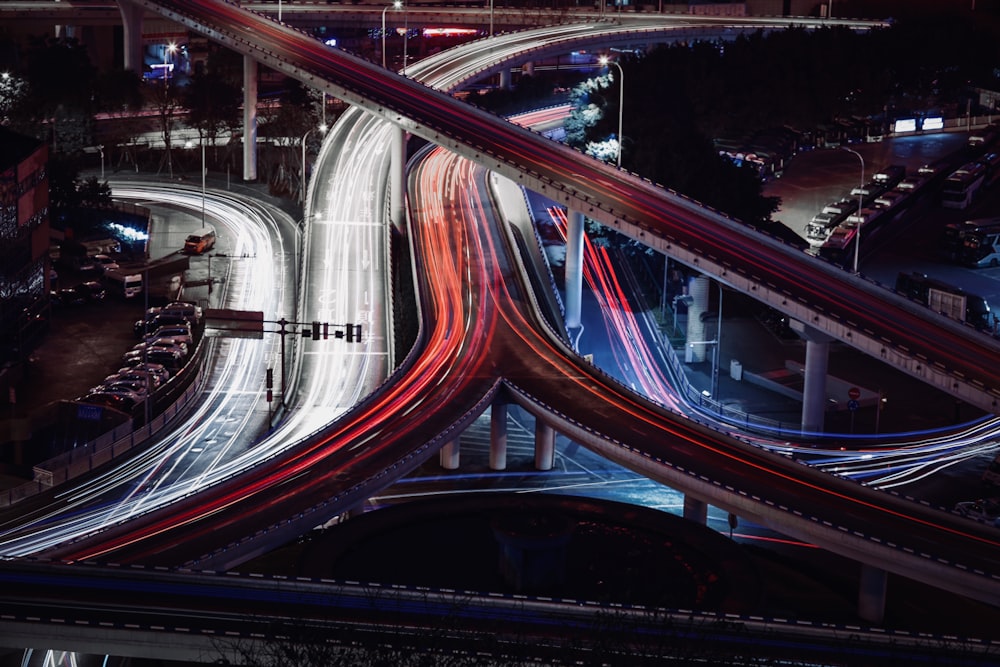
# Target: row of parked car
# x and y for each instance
(86, 292)
(167, 338)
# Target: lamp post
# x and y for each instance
(861, 195)
(406, 37)
(395, 5)
(203, 173)
(718, 346)
(279, 11)
(170, 49)
(491, 18)
(100, 149)
(604, 60)
(322, 129)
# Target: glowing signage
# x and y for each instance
(450, 32)
(905, 125)
(936, 123)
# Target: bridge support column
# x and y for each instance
(574, 269)
(698, 291)
(498, 435)
(545, 445)
(505, 78)
(249, 119)
(695, 510)
(871, 594)
(132, 32)
(814, 390)
(397, 177)
(448, 456)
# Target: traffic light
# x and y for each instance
(326, 330)
(352, 335)
(315, 330)
(270, 378)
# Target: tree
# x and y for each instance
(60, 93)
(165, 99)
(213, 104)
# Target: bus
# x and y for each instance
(839, 247)
(980, 242)
(962, 186)
(947, 299)
(992, 163)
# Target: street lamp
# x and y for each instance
(171, 48)
(396, 4)
(491, 18)
(718, 346)
(861, 200)
(322, 129)
(100, 149)
(605, 61)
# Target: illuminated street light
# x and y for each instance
(395, 5)
(605, 61)
(861, 194)
(167, 52)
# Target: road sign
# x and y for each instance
(854, 393)
(852, 405)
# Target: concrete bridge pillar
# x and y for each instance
(545, 445)
(397, 178)
(814, 390)
(249, 119)
(505, 78)
(132, 32)
(448, 456)
(498, 435)
(871, 594)
(574, 269)
(695, 510)
(698, 291)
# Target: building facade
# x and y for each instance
(24, 253)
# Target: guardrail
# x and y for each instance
(103, 449)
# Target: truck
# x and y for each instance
(947, 299)
(126, 285)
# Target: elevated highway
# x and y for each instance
(928, 346)
(481, 341)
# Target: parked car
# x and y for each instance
(116, 401)
(134, 396)
(180, 333)
(70, 296)
(137, 387)
(147, 380)
(190, 311)
(104, 263)
(91, 290)
(153, 323)
(158, 371)
(169, 359)
(169, 344)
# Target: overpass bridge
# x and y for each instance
(847, 529)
